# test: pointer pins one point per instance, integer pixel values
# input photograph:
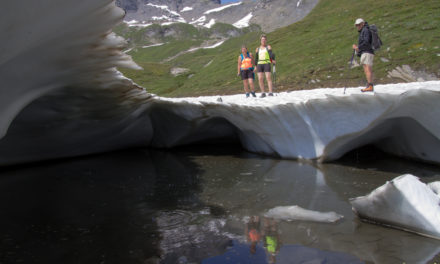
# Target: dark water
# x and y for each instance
(197, 206)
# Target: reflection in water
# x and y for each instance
(192, 207)
(272, 241)
(253, 233)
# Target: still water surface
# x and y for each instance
(199, 206)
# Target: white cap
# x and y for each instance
(358, 21)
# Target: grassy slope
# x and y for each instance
(316, 48)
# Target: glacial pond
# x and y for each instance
(199, 205)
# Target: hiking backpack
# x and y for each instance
(376, 43)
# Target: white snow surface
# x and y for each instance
(435, 187)
(405, 203)
(244, 22)
(294, 212)
(218, 9)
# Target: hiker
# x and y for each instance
(365, 51)
(264, 57)
(271, 238)
(253, 233)
(245, 69)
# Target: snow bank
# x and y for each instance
(404, 203)
(290, 213)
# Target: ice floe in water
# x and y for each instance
(405, 203)
(294, 212)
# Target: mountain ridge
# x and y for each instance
(268, 14)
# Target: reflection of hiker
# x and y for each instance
(245, 69)
(253, 233)
(271, 239)
(264, 57)
(365, 51)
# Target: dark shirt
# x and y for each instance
(365, 39)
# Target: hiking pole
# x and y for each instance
(274, 70)
(351, 64)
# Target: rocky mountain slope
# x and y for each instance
(268, 14)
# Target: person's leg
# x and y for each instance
(251, 84)
(261, 81)
(245, 85)
(269, 81)
(252, 87)
(368, 69)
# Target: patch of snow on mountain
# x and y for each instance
(178, 18)
(215, 45)
(210, 23)
(186, 9)
(218, 9)
(208, 47)
(163, 7)
(244, 22)
(199, 21)
(135, 23)
(163, 17)
(153, 45)
(299, 2)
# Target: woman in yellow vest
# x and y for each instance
(264, 58)
(245, 69)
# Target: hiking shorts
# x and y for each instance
(263, 67)
(247, 74)
(367, 59)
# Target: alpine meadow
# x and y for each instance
(314, 52)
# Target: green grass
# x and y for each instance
(316, 48)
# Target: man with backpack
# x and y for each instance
(365, 50)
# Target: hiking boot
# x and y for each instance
(247, 95)
(253, 94)
(270, 94)
(262, 95)
(369, 88)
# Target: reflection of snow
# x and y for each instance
(244, 22)
(218, 9)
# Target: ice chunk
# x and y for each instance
(405, 203)
(294, 212)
